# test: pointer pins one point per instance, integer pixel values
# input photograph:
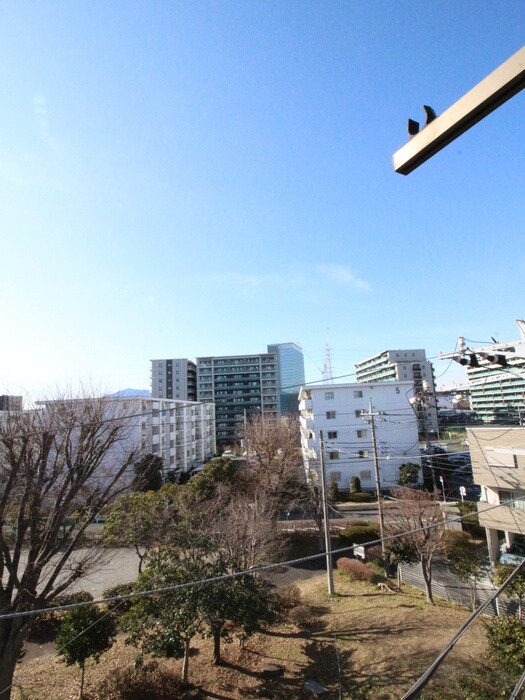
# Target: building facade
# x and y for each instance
(406, 365)
(498, 466)
(496, 378)
(11, 403)
(174, 379)
(336, 410)
(239, 385)
(182, 433)
(291, 375)
(497, 395)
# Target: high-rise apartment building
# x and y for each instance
(174, 379)
(496, 379)
(239, 385)
(291, 375)
(406, 365)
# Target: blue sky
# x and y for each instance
(191, 178)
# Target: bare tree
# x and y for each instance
(60, 464)
(420, 527)
(273, 450)
(245, 527)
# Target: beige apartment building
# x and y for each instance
(498, 466)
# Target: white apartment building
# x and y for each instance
(182, 433)
(410, 365)
(336, 410)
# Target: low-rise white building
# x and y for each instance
(336, 410)
(182, 433)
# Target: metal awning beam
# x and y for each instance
(493, 91)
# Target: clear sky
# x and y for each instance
(202, 178)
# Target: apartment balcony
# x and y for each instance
(305, 405)
(307, 424)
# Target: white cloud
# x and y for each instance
(310, 278)
(342, 275)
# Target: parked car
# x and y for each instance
(513, 555)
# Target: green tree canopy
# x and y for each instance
(85, 633)
(409, 474)
(467, 560)
(506, 640)
(143, 520)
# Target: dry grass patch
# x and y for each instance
(384, 641)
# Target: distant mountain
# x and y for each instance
(123, 393)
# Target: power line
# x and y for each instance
(255, 569)
(423, 680)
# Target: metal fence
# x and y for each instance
(448, 587)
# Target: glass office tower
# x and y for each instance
(291, 375)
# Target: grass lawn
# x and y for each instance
(370, 644)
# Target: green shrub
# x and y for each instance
(334, 491)
(358, 534)
(354, 569)
(122, 606)
(71, 598)
(374, 553)
(361, 497)
(302, 544)
(506, 640)
(355, 485)
(44, 627)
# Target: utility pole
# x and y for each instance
(326, 519)
(370, 418)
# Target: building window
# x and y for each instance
(358, 394)
(335, 476)
(363, 454)
(334, 454)
(330, 415)
(328, 395)
(332, 434)
(365, 475)
(362, 433)
(358, 412)
(501, 459)
(514, 499)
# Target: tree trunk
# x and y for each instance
(83, 667)
(426, 570)
(11, 642)
(216, 657)
(186, 662)
(473, 593)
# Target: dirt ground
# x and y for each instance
(363, 644)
